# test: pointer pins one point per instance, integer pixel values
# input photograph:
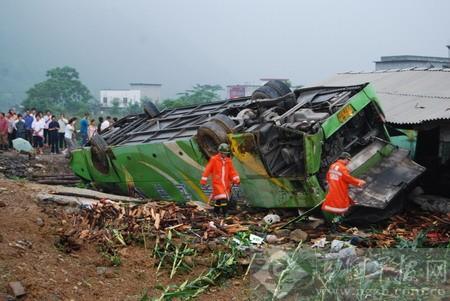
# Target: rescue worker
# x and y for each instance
(337, 201)
(223, 175)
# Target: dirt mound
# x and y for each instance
(30, 252)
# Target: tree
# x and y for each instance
(62, 91)
(115, 110)
(199, 94)
(134, 108)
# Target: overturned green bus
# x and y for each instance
(282, 144)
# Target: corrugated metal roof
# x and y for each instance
(408, 96)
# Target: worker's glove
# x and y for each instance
(361, 183)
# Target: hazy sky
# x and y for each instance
(184, 42)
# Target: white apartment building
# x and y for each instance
(150, 91)
(136, 94)
(124, 98)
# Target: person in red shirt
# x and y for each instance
(337, 201)
(220, 168)
(3, 132)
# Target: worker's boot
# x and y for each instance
(216, 210)
(224, 210)
(335, 223)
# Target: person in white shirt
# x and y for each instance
(38, 126)
(47, 119)
(105, 124)
(69, 135)
(62, 121)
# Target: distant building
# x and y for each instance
(151, 91)
(127, 97)
(235, 91)
(412, 61)
(124, 98)
(241, 90)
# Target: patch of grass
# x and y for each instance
(144, 296)
(172, 253)
(110, 253)
(417, 242)
(224, 267)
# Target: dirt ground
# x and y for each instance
(29, 230)
(49, 274)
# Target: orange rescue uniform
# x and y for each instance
(223, 176)
(337, 200)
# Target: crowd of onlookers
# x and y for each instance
(47, 130)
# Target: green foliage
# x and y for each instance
(199, 94)
(114, 259)
(62, 91)
(134, 108)
(172, 253)
(144, 296)
(223, 268)
(417, 242)
(109, 252)
(115, 110)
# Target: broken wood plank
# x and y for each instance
(65, 200)
(58, 182)
(87, 193)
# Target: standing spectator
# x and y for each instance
(21, 128)
(3, 132)
(11, 117)
(29, 118)
(62, 121)
(53, 128)
(105, 124)
(33, 113)
(47, 120)
(92, 129)
(69, 136)
(38, 134)
(84, 124)
(100, 121)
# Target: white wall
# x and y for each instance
(125, 97)
(151, 91)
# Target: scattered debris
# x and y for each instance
(319, 242)
(6, 297)
(17, 289)
(67, 244)
(433, 203)
(15, 165)
(93, 194)
(410, 227)
(271, 219)
(56, 179)
(107, 272)
(272, 239)
(298, 235)
(64, 200)
(282, 232)
(257, 240)
(39, 222)
(22, 244)
(336, 245)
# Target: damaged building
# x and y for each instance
(415, 101)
